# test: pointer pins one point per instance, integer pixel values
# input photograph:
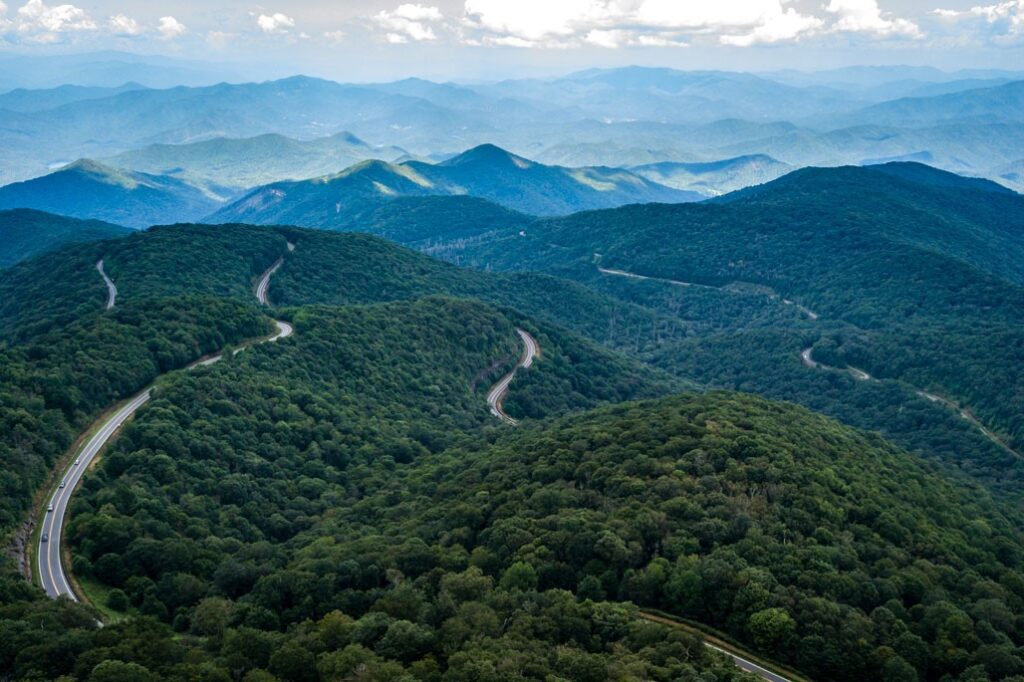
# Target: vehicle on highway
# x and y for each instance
(63, 483)
(77, 461)
(45, 537)
(50, 508)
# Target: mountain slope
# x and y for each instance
(1002, 104)
(914, 276)
(485, 172)
(715, 177)
(89, 190)
(25, 233)
(39, 100)
(246, 163)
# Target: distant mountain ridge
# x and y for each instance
(244, 163)
(614, 117)
(713, 178)
(90, 190)
(485, 172)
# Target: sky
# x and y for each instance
(364, 40)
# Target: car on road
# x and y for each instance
(78, 461)
(50, 508)
(63, 483)
(45, 537)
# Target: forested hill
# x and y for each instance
(341, 504)
(915, 275)
(25, 233)
(325, 267)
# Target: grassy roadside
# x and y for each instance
(95, 595)
(720, 640)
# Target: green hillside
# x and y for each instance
(809, 542)
(915, 274)
(90, 190)
(25, 233)
(485, 172)
(342, 503)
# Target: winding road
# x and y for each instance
(111, 288)
(50, 549)
(264, 282)
(858, 374)
(679, 283)
(809, 361)
(497, 394)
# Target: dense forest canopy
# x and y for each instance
(341, 505)
(914, 276)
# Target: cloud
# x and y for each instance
(865, 16)
(170, 28)
(275, 23)
(408, 22)
(621, 23)
(219, 40)
(1004, 21)
(42, 23)
(337, 37)
(122, 25)
(617, 23)
(534, 21)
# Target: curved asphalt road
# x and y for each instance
(679, 283)
(51, 568)
(111, 289)
(498, 392)
(264, 284)
(858, 374)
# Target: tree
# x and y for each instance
(405, 641)
(117, 600)
(211, 617)
(771, 628)
(519, 576)
(119, 671)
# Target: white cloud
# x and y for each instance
(538, 20)
(1004, 20)
(418, 13)
(170, 28)
(865, 16)
(275, 23)
(617, 23)
(42, 23)
(335, 36)
(615, 38)
(786, 26)
(122, 25)
(408, 22)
